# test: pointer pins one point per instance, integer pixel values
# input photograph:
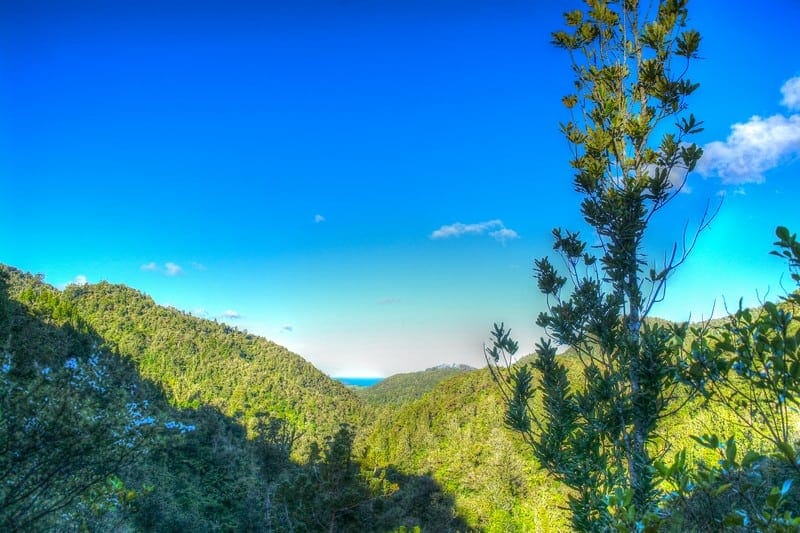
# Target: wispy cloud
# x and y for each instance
(198, 266)
(756, 146)
(504, 234)
(169, 268)
(494, 228)
(388, 301)
(230, 313)
(172, 269)
(319, 218)
(458, 229)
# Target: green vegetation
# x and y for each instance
(403, 388)
(92, 444)
(120, 414)
(200, 362)
(455, 434)
(596, 433)
(598, 428)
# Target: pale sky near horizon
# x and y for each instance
(366, 183)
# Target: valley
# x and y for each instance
(232, 431)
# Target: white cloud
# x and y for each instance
(756, 146)
(319, 218)
(230, 313)
(495, 229)
(458, 229)
(751, 149)
(79, 280)
(791, 94)
(172, 269)
(198, 266)
(388, 301)
(504, 234)
(149, 267)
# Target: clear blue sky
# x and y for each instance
(298, 169)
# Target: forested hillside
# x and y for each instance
(201, 362)
(403, 388)
(87, 440)
(119, 414)
(457, 434)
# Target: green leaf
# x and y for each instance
(730, 451)
(773, 498)
(750, 458)
(787, 451)
(719, 490)
(736, 518)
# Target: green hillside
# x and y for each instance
(455, 433)
(202, 362)
(118, 414)
(86, 440)
(403, 388)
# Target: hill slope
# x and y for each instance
(88, 443)
(403, 388)
(118, 414)
(202, 362)
(455, 434)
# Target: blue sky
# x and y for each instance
(366, 183)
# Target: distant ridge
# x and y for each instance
(400, 389)
(453, 366)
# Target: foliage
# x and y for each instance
(201, 362)
(328, 494)
(440, 462)
(746, 493)
(333, 492)
(455, 435)
(68, 420)
(186, 464)
(748, 365)
(202, 475)
(403, 388)
(751, 365)
(597, 437)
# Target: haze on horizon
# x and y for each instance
(366, 184)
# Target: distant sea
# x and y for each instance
(359, 382)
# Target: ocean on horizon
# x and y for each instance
(358, 382)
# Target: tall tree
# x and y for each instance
(594, 428)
